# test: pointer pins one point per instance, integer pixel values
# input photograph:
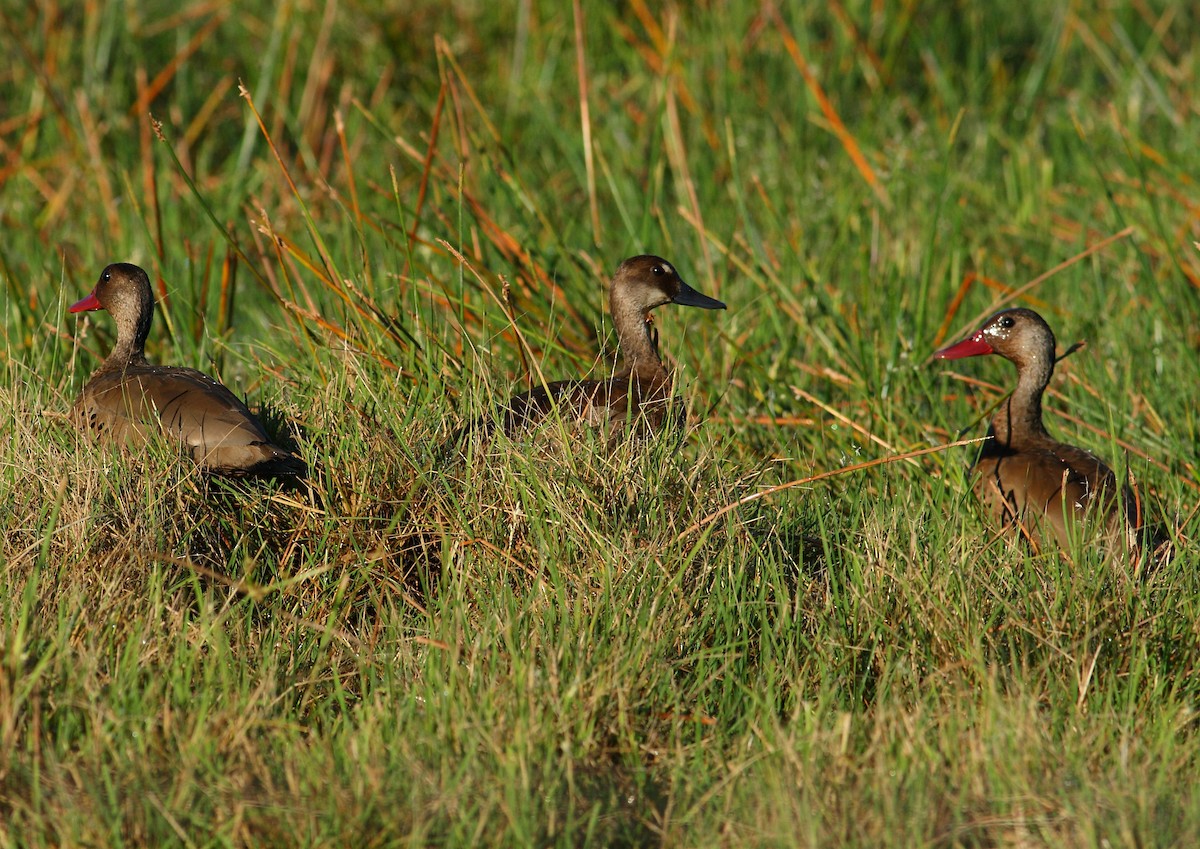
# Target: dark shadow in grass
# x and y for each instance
(625, 801)
(803, 553)
(288, 434)
(234, 520)
(285, 431)
(404, 571)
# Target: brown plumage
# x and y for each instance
(1023, 476)
(640, 390)
(128, 400)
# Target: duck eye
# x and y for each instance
(1007, 322)
(108, 275)
(656, 270)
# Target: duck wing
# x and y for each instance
(134, 405)
(1058, 484)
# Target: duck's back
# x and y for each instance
(135, 404)
(597, 403)
(1052, 482)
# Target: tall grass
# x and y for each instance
(377, 224)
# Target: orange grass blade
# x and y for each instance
(839, 129)
(91, 138)
(427, 165)
(146, 96)
(585, 120)
(354, 298)
(287, 175)
(149, 172)
(1046, 275)
(652, 28)
(847, 22)
(483, 543)
(340, 126)
(952, 310)
(1013, 294)
(677, 152)
(444, 51)
(850, 423)
(523, 342)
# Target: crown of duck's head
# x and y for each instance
(645, 282)
(1019, 335)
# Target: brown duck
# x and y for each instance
(641, 388)
(130, 401)
(1023, 476)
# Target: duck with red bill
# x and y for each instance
(128, 400)
(1024, 477)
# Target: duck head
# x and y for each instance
(641, 284)
(1019, 335)
(124, 291)
(645, 282)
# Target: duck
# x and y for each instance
(129, 401)
(641, 388)
(1025, 478)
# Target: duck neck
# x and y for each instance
(1019, 419)
(638, 343)
(132, 333)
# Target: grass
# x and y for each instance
(551, 643)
